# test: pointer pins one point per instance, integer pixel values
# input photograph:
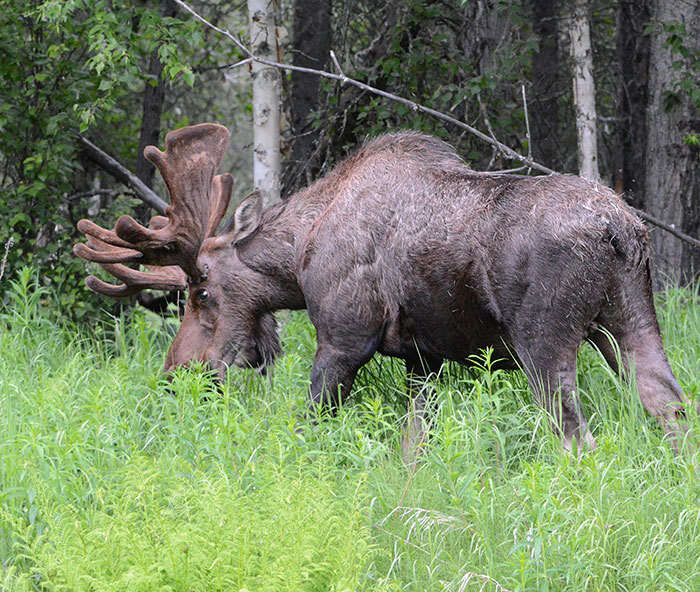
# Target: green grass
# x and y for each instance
(112, 479)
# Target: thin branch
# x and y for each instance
(506, 150)
(501, 172)
(8, 246)
(484, 114)
(667, 227)
(122, 174)
(527, 126)
(200, 69)
(337, 66)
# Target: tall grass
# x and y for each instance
(112, 479)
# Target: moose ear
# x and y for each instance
(247, 217)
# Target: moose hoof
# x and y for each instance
(588, 442)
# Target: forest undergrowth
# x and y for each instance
(112, 478)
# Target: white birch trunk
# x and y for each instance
(266, 101)
(584, 91)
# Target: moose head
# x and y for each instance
(223, 324)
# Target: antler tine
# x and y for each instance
(134, 281)
(221, 188)
(166, 278)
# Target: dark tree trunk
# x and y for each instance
(633, 48)
(312, 45)
(672, 183)
(546, 84)
(150, 120)
(153, 96)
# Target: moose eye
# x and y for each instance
(202, 296)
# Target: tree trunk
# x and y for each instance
(485, 29)
(546, 84)
(312, 45)
(266, 101)
(631, 104)
(584, 91)
(153, 96)
(672, 184)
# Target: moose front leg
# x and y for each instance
(335, 368)
(332, 376)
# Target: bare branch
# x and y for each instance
(667, 227)
(223, 67)
(509, 152)
(488, 127)
(337, 66)
(8, 246)
(527, 126)
(121, 173)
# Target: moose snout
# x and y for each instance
(209, 359)
(216, 365)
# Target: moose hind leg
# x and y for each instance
(641, 351)
(332, 376)
(630, 317)
(551, 373)
(658, 389)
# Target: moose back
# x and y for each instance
(403, 250)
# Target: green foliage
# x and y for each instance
(434, 55)
(169, 525)
(686, 64)
(70, 67)
(113, 479)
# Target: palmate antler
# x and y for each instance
(170, 245)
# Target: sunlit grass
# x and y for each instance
(112, 479)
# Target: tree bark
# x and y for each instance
(153, 97)
(312, 45)
(631, 103)
(266, 101)
(672, 183)
(584, 91)
(546, 84)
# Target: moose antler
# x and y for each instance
(171, 243)
(169, 277)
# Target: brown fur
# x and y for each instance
(404, 250)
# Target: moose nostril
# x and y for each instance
(218, 366)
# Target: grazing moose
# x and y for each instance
(402, 250)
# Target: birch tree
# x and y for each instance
(584, 91)
(266, 101)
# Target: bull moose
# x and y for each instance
(401, 249)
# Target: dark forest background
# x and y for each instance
(122, 74)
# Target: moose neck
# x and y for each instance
(273, 250)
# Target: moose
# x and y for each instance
(401, 249)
